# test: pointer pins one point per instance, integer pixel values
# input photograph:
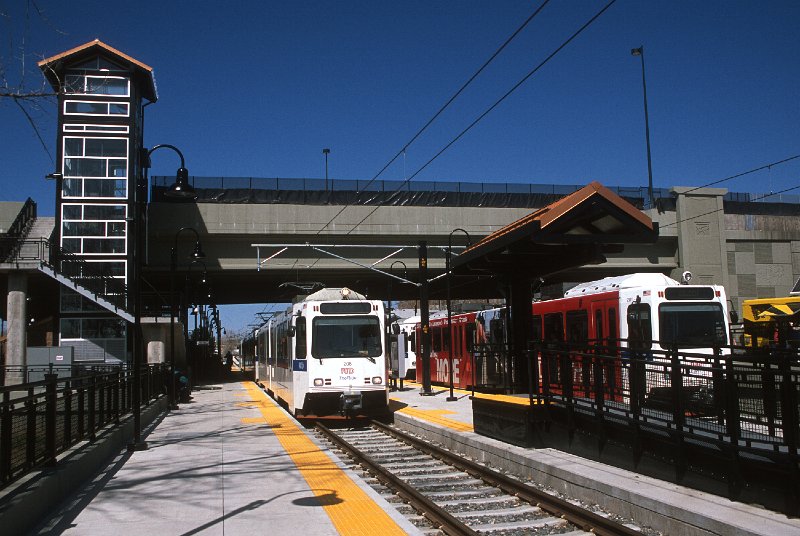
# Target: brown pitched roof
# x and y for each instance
(575, 228)
(53, 65)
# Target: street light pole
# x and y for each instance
(451, 398)
(326, 152)
(181, 188)
(640, 52)
(389, 327)
(196, 254)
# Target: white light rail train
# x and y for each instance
(326, 356)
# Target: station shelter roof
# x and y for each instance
(576, 230)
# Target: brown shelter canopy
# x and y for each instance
(573, 231)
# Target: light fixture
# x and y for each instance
(181, 189)
(198, 251)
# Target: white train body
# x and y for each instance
(326, 355)
(408, 327)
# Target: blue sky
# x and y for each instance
(259, 88)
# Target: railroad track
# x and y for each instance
(458, 496)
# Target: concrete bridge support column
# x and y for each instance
(17, 340)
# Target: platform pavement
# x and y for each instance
(668, 507)
(219, 465)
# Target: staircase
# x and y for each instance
(31, 243)
(42, 228)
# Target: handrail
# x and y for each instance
(21, 224)
(94, 277)
(73, 408)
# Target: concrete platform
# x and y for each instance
(667, 507)
(229, 462)
(232, 462)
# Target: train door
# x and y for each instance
(553, 337)
(640, 327)
(577, 333)
(300, 342)
(468, 342)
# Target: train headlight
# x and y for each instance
(319, 382)
(377, 380)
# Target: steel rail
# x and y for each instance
(442, 519)
(585, 519)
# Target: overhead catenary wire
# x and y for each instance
(490, 109)
(430, 121)
(743, 173)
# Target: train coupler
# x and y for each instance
(350, 403)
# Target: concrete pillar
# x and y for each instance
(17, 336)
(521, 329)
(702, 248)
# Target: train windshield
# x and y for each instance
(346, 336)
(692, 325)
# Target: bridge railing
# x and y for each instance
(383, 192)
(39, 420)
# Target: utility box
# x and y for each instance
(46, 359)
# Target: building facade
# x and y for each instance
(101, 98)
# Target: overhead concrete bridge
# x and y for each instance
(259, 234)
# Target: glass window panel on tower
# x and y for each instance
(71, 212)
(72, 188)
(104, 212)
(84, 167)
(73, 146)
(106, 147)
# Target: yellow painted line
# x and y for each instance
(508, 399)
(253, 420)
(350, 509)
(524, 401)
(436, 416)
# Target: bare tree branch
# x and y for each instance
(35, 130)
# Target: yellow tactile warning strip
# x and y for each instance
(436, 416)
(350, 509)
(508, 399)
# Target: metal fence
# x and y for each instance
(730, 413)
(40, 420)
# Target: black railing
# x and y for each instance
(24, 220)
(40, 420)
(92, 276)
(383, 192)
(729, 413)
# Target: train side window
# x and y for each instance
(300, 338)
(640, 332)
(612, 327)
(470, 335)
(577, 326)
(598, 326)
(436, 339)
(282, 345)
(553, 327)
(537, 327)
